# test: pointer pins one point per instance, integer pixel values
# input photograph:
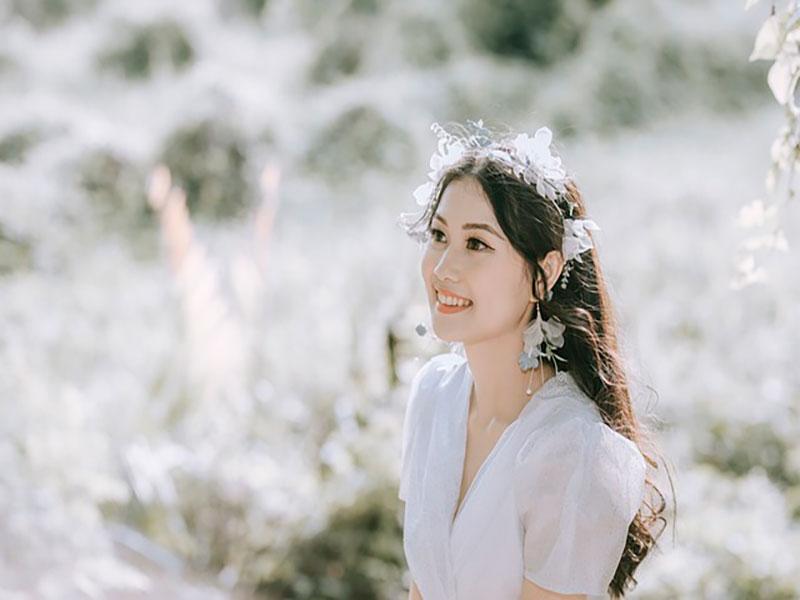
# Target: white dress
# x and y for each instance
(552, 502)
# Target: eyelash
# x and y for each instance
(433, 231)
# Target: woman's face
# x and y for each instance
(468, 256)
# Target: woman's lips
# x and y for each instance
(448, 309)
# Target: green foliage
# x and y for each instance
(15, 252)
(359, 555)
(541, 31)
(724, 79)
(7, 64)
(208, 160)
(43, 14)
(360, 137)
(630, 88)
(142, 48)
(15, 145)
(253, 9)
(314, 13)
(340, 54)
(115, 189)
(745, 583)
(424, 42)
(368, 7)
(739, 450)
(621, 99)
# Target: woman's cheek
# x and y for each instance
(426, 266)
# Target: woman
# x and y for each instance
(521, 474)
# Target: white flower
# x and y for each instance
(779, 78)
(542, 330)
(553, 331)
(528, 361)
(423, 193)
(576, 237)
(768, 41)
(756, 214)
(533, 336)
(528, 158)
(449, 153)
(536, 150)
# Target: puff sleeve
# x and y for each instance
(411, 422)
(578, 485)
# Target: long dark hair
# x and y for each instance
(534, 226)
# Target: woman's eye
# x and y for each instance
(435, 232)
(477, 240)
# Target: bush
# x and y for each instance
(359, 138)
(737, 450)
(424, 42)
(143, 48)
(115, 189)
(621, 99)
(15, 252)
(339, 55)
(43, 14)
(359, 555)
(314, 13)
(541, 31)
(7, 64)
(208, 161)
(723, 79)
(250, 8)
(15, 145)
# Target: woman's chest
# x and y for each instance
(480, 554)
(480, 449)
(479, 546)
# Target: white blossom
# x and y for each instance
(576, 237)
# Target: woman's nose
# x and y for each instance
(447, 267)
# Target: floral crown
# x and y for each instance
(529, 159)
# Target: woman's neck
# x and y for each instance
(499, 385)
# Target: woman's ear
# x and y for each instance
(553, 264)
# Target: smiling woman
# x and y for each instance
(508, 494)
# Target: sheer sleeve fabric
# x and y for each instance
(417, 395)
(578, 485)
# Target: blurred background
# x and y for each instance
(207, 309)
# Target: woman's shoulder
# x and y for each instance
(573, 426)
(436, 373)
(561, 404)
(579, 461)
(571, 429)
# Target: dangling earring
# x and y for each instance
(549, 332)
(527, 358)
(421, 329)
(564, 277)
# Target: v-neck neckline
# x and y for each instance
(463, 426)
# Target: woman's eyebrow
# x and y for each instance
(484, 226)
